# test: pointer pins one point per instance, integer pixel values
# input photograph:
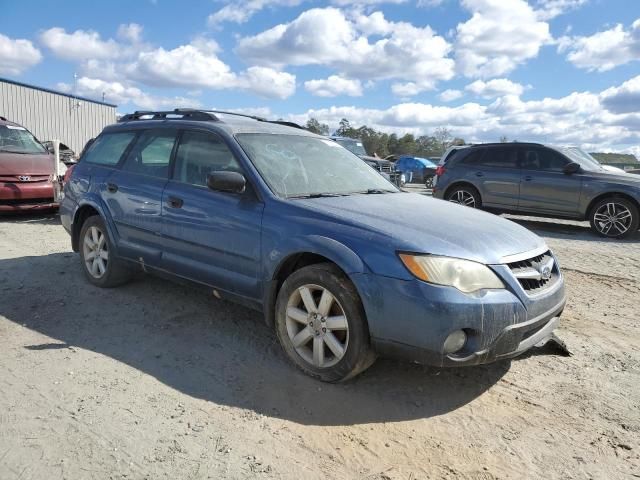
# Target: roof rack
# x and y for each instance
(285, 123)
(183, 113)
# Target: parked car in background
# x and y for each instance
(634, 170)
(343, 264)
(416, 169)
(535, 179)
(27, 173)
(385, 167)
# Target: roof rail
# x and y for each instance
(254, 117)
(184, 113)
(285, 123)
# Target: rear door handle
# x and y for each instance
(112, 187)
(479, 174)
(175, 202)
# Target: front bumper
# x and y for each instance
(411, 320)
(16, 197)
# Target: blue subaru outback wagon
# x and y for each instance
(343, 264)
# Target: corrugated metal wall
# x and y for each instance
(52, 116)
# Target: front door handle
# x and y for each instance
(479, 174)
(175, 202)
(112, 187)
(528, 178)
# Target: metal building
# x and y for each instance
(52, 115)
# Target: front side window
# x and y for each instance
(199, 154)
(16, 139)
(296, 166)
(108, 148)
(151, 154)
(500, 157)
(542, 159)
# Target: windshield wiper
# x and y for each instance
(317, 195)
(376, 191)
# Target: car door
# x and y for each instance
(544, 187)
(133, 195)
(211, 237)
(496, 173)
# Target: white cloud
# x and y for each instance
(196, 65)
(241, 12)
(119, 93)
(499, 36)
(603, 50)
(333, 86)
(450, 95)
(548, 9)
(17, 55)
(326, 36)
(497, 87)
(131, 32)
(581, 118)
(623, 99)
(79, 45)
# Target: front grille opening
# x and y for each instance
(529, 273)
(26, 201)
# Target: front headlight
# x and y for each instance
(465, 275)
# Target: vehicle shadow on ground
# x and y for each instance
(216, 350)
(45, 217)
(567, 230)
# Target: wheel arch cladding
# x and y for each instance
(82, 213)
(308, 251)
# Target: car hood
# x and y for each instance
(415, 223)
(25, 164)
(614, 177)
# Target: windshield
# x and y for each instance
(300, 166)
(586, 161)
(14, 139)
(354, 146)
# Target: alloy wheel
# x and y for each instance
(463, 197)
(612, 219)
(95, 250)
(317, 326)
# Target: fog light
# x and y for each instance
(455, 341)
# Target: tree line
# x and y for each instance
(383, 144)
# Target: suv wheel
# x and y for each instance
(99, 262)
(429, 182)
(614, 217)
(321, 325)
(467, 196)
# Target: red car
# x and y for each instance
(26, 170)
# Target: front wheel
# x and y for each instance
(321, 325)
(463, 195)
(614, 217)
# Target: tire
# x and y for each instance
(465, 195)
(429, 182)
(344, 323)
(614, 217)
(107, 270)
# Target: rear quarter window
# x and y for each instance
(108, 148)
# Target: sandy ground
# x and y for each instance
(155, 380)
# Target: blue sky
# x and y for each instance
(562, 71)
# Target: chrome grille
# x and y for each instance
(536, 274)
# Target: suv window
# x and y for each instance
(541, 159)
(472, 157)
(108, 148)
(199, 154)
(503, 157)
(151, 153)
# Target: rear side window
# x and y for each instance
(470, 156)
(151, 154)
(199, 154)
(500, 157)
(108, 148)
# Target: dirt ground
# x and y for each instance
(158, 381)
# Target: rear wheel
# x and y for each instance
(100, 264)
(464, 195)
(321, 324)
(614, 217)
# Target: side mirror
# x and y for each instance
(571, 168)
(232, 182)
